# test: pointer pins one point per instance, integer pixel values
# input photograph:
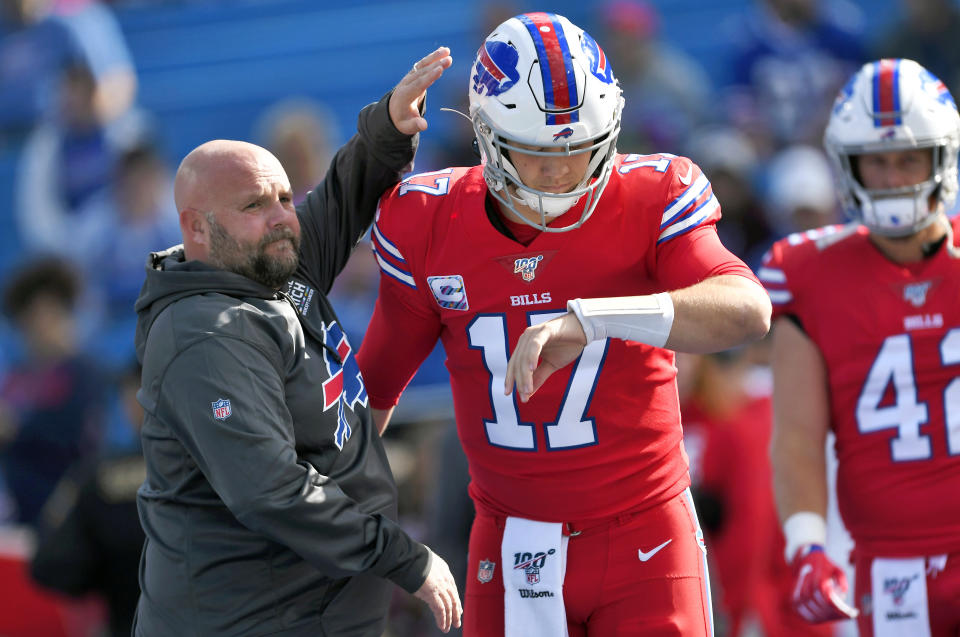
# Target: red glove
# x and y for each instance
(820, 586)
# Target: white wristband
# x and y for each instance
(804, 527)
(644, 319)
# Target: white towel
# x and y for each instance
(534, 558)
(899, 597)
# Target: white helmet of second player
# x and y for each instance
(893, 105)
(541, 81)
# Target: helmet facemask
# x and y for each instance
(508, 188)
(900, 211)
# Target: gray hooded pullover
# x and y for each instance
(268, 493)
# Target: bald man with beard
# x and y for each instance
(269, 507)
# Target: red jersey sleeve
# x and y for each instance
(688, 249)
(784, 270)
(404, 328)
(773, 275)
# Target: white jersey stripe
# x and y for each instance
(389, 247)
(708, 208)
(771, 275)
(689, 195)
(780, 297)
(387, 268)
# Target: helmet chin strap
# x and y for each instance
(913, 212)
(552, 207)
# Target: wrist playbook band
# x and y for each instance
(644, 319)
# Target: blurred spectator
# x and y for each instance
(90, 534)
(926, 32)
(727, 157)
(302, 133)
(52, 402)
(36, 45)
(122, 223)
(667, 92)
(64, 163)
(790, 57)
(727, 416)
(800, 191)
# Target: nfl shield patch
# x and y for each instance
(533, 575)
(485, 572)
(221, 408)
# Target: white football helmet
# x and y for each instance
(541, 81)
(891, 105)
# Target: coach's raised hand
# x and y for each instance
(408, 95)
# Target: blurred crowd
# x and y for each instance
(92, 196)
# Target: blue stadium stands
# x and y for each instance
(208, 68)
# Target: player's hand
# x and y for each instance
(439, 591)
(409, 94)
(820, 587)
(542, 350)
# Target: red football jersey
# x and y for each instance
(601, 436)
(890, 336)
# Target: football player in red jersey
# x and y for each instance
(866, 342)
(559, 249)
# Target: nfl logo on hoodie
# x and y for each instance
(221, 408)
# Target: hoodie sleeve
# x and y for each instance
(246, 451)
(337, 213)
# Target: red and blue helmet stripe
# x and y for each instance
(886, 93)
(556, 66)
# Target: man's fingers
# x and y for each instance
(425, 72)
(457, 611)
(430, 58)
(443, 613)
(407, 96)
(540, 375)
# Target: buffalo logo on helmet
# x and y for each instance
(845, 95)
(599, 65)
(564, 134)
(932, 85)
(495, 71)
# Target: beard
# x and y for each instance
(252, 260)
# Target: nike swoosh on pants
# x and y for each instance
(644, 556)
